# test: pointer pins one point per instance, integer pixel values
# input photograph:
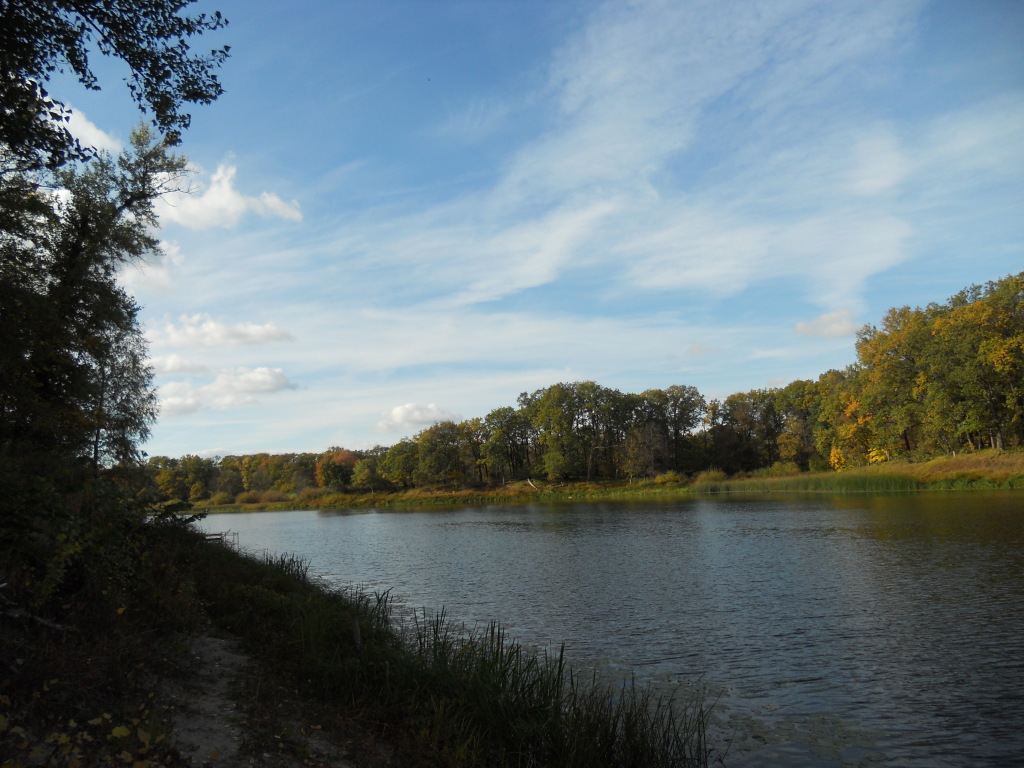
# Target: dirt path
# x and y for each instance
(217, 721)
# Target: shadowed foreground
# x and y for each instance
(236, 660)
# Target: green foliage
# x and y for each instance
(75, 391)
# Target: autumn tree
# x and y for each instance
(893, 358)
(978, 380)
(334, 468)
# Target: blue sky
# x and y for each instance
(409, 211)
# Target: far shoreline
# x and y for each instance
(981, 471)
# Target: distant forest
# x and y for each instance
(927, 382)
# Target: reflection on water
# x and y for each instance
(836, 631)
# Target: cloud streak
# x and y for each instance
(608, 185)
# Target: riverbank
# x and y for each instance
(313, 667)
(982, 470)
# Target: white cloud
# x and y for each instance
(157, 276)
(170, 364)
(831, 325)
(411, 417)
(179, 398)
(249, 380)
(221, 205)
(89, 135)
(202, 330)
(230, 388)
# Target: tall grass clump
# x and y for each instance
(442, 694)
(487, 701)
(708, 481)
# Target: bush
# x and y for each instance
(780, 469)
(221, 497)
(271, 495)
(711, 475)
(666, 478)
(248, 497)
(311, 492)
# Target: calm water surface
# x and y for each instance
(869, 630)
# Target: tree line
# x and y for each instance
(927, 381)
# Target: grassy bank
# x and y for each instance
(974, 471)
(436, 694)
(984, 470)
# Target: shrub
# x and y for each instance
(248, 497)
(668, 477)
(311, 492)
(271, 495)
(221, 497)
(780, 469)
(711, 475)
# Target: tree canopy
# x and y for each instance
(76, 394)
(152, 37)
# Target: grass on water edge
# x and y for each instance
(984, 470)
(981, 470)
(442, 695)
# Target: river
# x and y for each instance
(833, 631)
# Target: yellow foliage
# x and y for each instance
(836, 459)
(120, 732)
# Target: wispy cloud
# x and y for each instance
(477, 121)
(608, 185)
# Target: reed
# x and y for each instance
(832, 482)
